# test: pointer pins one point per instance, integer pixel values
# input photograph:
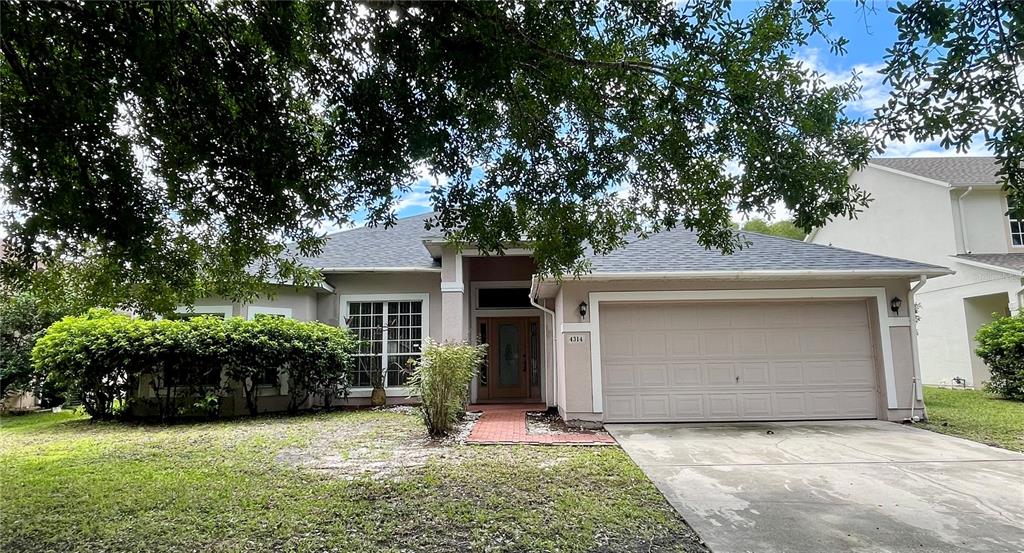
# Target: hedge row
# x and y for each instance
(104, 358)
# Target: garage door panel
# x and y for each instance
(790, 404)
(687, 406)
(620, 407)
(717, 342)
(835, 340)
(817, 373)
(784, 341)
(652, 376)
(737, 361)
(618, 344)
(751, 342)
(619, 376)
(685, 374)
(720, 374)
(684, 344)
(787, 373)
(723, 406)
(651, 344)
(654, 406)
(856, 372)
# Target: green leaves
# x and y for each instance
(103, 358)
(1001, 347)
(181, 146)
(441, 381)
(956, 73)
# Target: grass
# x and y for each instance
(975, 415)
(345, 481)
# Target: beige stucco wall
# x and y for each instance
(329, 305)
(575, 359)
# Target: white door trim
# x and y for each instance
(594, 325)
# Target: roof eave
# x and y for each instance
(343, 270)
(770, 274)
(989, 266)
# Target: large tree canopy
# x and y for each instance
(957, 71)
(166, 146)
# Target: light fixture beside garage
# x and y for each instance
(895, 304)
(583, 309)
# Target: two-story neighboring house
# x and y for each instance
(948, 211)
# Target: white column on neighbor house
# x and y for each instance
(453, 294)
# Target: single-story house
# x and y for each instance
(660, 330)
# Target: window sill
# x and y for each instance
(394, 391)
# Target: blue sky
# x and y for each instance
(869, 30)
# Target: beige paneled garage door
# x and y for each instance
(736, 361)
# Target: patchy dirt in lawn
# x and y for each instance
(381, 450)
(547, 423)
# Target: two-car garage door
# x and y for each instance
(731, 361)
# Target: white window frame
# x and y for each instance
(1009, 225)
(226, 310)
(345, 300)
(253, 310)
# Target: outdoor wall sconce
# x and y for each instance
(895, 304)
(583, 309)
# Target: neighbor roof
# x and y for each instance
(1012, 261)
(678, 251)
(377, 248)
(953, 170)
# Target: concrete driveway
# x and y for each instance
(833, 486)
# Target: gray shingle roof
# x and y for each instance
(1014, 261)
(957, 171)
(401, 246)
(377, 247)
(678, 250)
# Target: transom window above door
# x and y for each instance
(391, 335)
(504, 297)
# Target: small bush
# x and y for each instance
(442, 381)
(189, 365)
(1001, 347)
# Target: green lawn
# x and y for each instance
(975, 415)
(351, 481)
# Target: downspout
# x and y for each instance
(918, 392)
(554, 339)
(963, 226)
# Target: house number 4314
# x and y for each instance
(575, 339)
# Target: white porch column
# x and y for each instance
(453, 292)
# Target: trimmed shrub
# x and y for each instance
(189, 365)
(442, 381)
(93, 358)
(1001, 347)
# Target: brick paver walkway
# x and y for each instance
(506, 424)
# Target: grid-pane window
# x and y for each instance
(1016, 224)
(366, 321)
(390, 335)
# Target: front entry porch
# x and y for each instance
(512, 371)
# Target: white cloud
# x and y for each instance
(873, 91)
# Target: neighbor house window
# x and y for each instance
(390, 334)
(185, 312)
(254, 311)
(1016, 223)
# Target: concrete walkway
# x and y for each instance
(833, 486)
